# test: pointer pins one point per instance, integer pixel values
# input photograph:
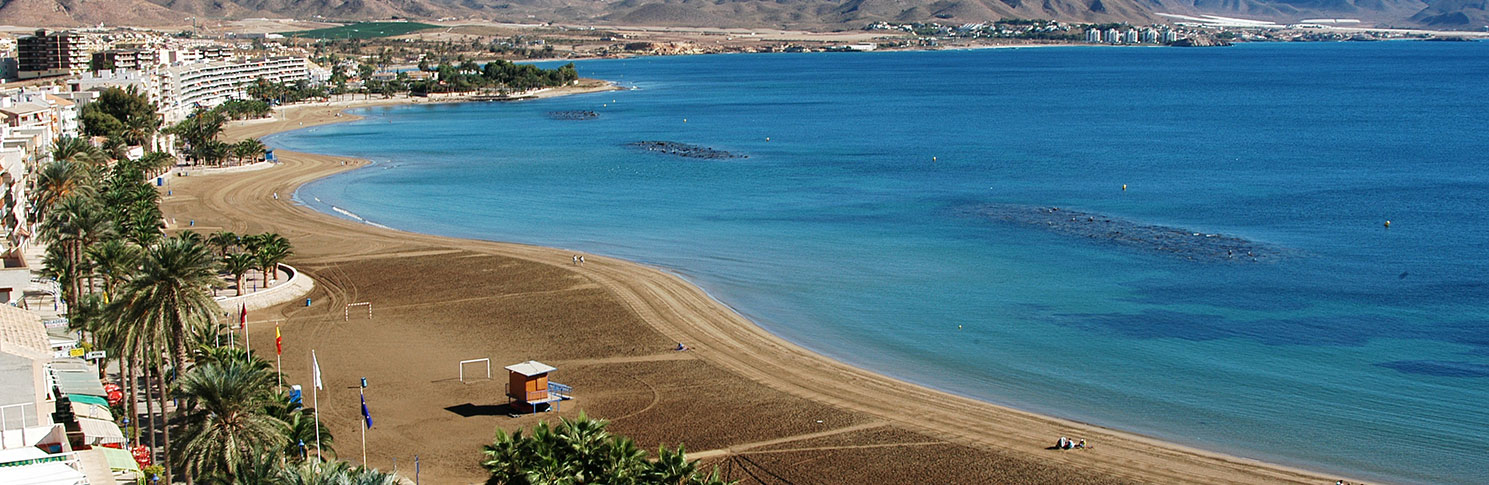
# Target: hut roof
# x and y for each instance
(531, 368)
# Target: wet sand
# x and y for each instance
(762, 409)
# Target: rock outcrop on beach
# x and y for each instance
(685, 150)
(1165, 240)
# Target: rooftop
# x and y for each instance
(531, 368)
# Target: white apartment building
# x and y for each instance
(181, 88)
(1093, 36)
(1130, 37)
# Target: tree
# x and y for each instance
(333, 473)
(582, 451)
(270, 249)
(73, 224)
(199, 133)
(170, 294)
(248, 149)
(115, 261)
(223, 241)
(57, 180)
(77, 150)
(302, 428)
(238, 264)
(224, 418)
(126, 114)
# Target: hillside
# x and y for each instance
(790, 14)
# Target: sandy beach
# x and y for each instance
(762, 409)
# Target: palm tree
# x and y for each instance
(223, 241)
(333, 473)
(171, 290)
(139, 342)
(152, 163)
(74, 224)
(248, 149)
(116, 261)
(224, 416)
(582, 451)
(58, 180)
(238, 264)
(78, 150)
(272, 252)
(170, 295)
(302, 432)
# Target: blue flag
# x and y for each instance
(365, 414)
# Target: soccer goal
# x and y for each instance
(348, 313)
(475, 361)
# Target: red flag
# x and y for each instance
(242, 316)
(278, 341)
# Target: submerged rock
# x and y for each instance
(684, 150)
(1173, 241)
(573, 115)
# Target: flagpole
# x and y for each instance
(279, 375)
(364, 428)
(315, 396)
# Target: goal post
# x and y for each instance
(348, 312)
(475, 361)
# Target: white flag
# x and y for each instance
(315, 370)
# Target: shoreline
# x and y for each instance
(683, 312)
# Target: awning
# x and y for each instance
(98, 431)
(74, 376)
(90, 409)
(39, 470)
(84, 398)
(120, 460)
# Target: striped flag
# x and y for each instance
(278, 340)
(365, 414)
(315, 370)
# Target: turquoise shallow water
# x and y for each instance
(1360, 349)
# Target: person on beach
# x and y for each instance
(576, 259)
(581, 260)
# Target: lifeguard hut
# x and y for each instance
(528, 386)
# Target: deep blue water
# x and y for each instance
(1363, 350)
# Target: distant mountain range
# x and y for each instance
(792, 14)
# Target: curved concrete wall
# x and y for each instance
(293, 288)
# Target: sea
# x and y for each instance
(1226, 280)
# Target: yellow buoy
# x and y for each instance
(684, 120)
(1388, 223)
(958, 327)
(767, 138)
(933, 159)
(1124, 187)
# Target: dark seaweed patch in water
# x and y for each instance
(1439, 368)
(684, 150)
(1181, 243)
(573, 115)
